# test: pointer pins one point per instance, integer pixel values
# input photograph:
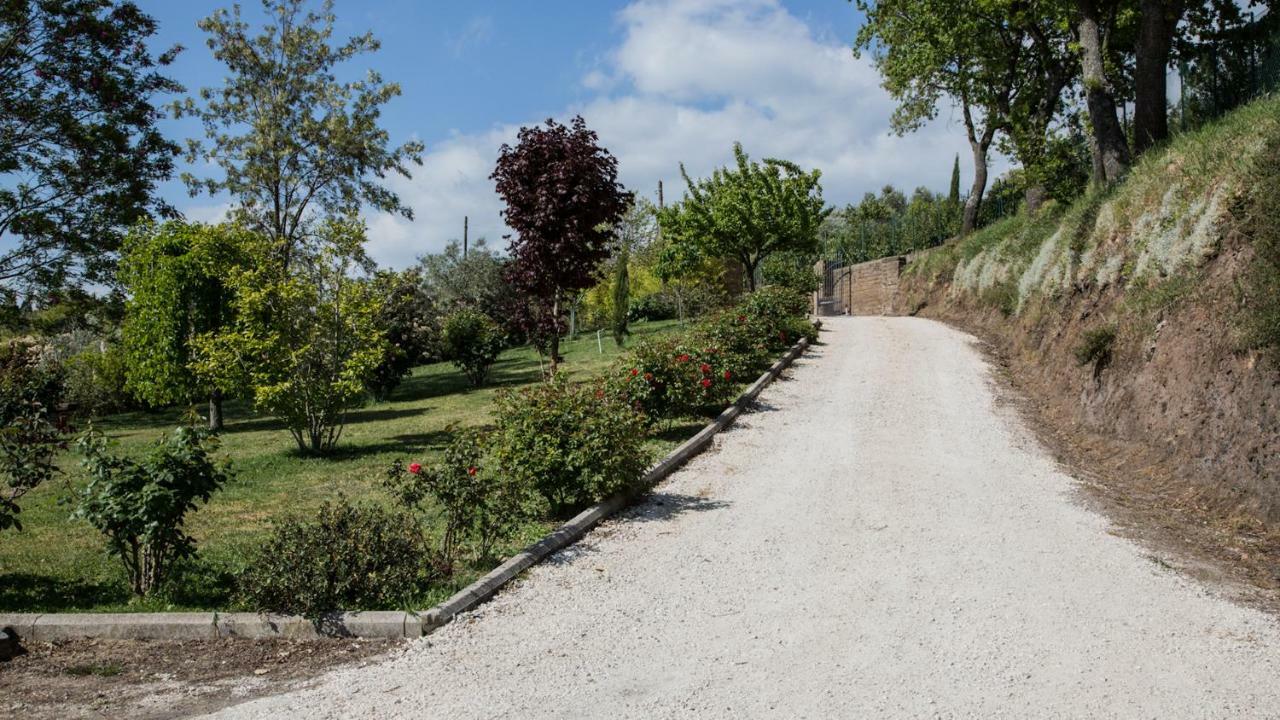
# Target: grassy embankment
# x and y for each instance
(1144, 323)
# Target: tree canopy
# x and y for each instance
(80, 153)
(295, 144)
(563, 200)
(745, 213)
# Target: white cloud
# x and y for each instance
(689, 78)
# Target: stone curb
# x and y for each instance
(570, 532)
(52, 627)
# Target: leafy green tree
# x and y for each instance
(80, 153)
(141, 506)
(746, 213)
(474, 280)
(304, 340)
(930, 49)
(636, 234)
(31, 388)
(409, 319)
(176, 276)
(295, 145)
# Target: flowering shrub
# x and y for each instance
(478, 504)
(669, 377)
(574, 443)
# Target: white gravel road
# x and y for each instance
(881, 539)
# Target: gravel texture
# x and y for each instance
(882, 538)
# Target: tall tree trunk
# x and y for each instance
(1034, 197)
(973, 205)
(215, 410)
(1112, 148)
(554, 344)
(1150, 104)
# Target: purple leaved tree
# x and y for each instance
(563, 198)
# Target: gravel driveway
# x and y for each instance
(880, 539)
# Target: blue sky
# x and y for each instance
(662, 81)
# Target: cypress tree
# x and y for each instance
(954, 197)
(621, 298)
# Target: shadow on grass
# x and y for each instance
(410, 443)
(20, 592)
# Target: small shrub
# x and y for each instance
(1096, 345)
(30, 436)
(478, 504)
(473, 342)
(575, 443)
(352, 556)
(657, 306)
(95, 382)
(141, 506)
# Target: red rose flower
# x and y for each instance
(727, 374)
(648, 376)
(742, 318)
(705, 368)
(599, 394)
(683, 358)
(634, 372)
(415, 468)
(472, 470)
(706, 382)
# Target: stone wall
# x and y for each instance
(874, 285)
(864, 289)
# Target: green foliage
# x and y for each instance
(658, 306)
(408, 318)
(455, 281)
(351, 556)
(478, 504)
(679, 376)
(80, 150)
(667, 378)
(1095, 346)
(621, 297)
(1005, 197)
(744, 213)
(575, 443)
(791, 270)
(305, 341)
(293, 141)
(953, 195)
(473, 341)
(176, 274)
(31, 387)
(889, 224)
(96, 381)
(1262, 227)
(141, 506)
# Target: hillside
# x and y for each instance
(1141, 323)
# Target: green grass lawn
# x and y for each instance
(57, 564)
